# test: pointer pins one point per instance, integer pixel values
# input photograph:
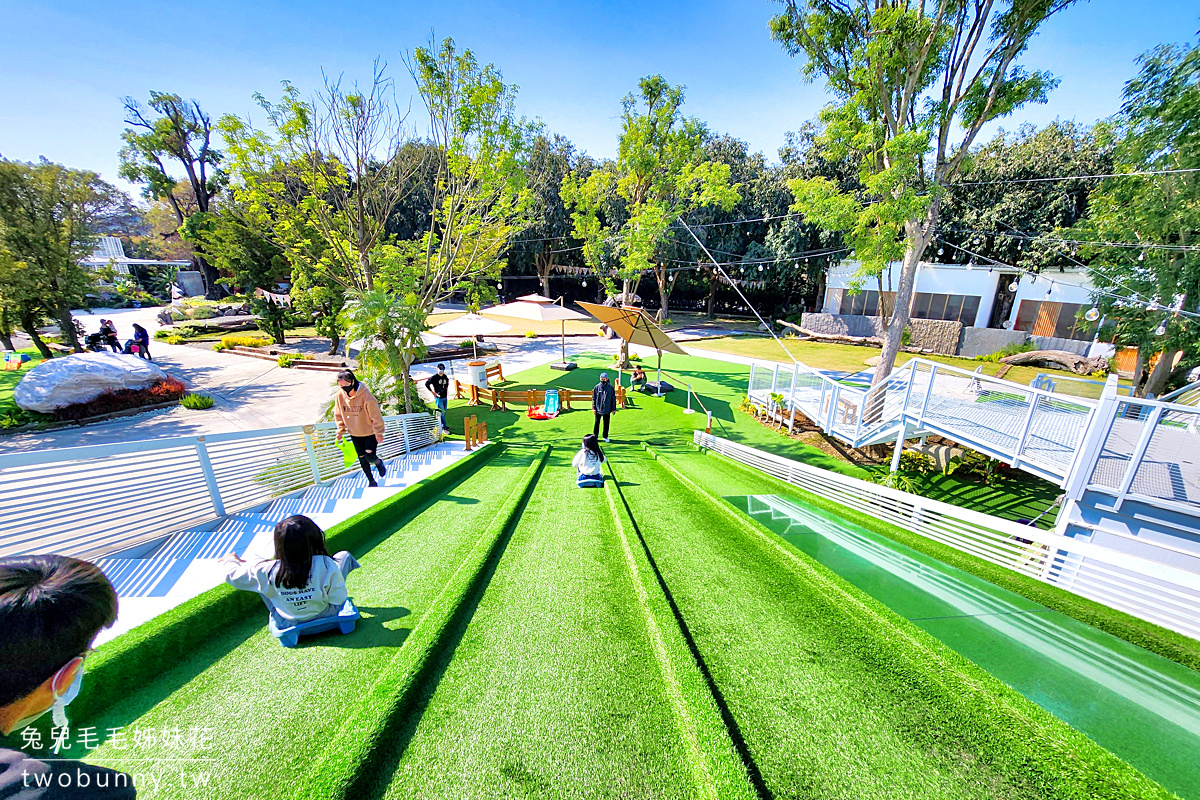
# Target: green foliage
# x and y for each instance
(530, 334)
(175, 339)
(13, 416)
(196, 402)
(243, 340)
(883, 61)
(912, 461)
(974, 466)
(894, 480)
(162, 334)
(661, 173)
(201, 313)
(1010, 349)
(389, 329)
(1155, 130)
(906, 336)
(466, 344)
(273, 318)
(287, 359)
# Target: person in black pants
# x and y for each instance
(51, 608)
(439, 384)
(604, 402)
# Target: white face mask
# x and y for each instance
(59, 705)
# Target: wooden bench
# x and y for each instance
(585, 396)
(499, 399)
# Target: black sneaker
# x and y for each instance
(382, 469)
(372, 484)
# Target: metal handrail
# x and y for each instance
(96, 500)
(1191, 392)
(1148, 588)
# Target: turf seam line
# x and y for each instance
(802, 566)
(750, 782)
(161, 639)
(345, 764)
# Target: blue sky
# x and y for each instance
(64, 66)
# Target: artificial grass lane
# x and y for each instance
(833, 694)
(552, 689)
(270, 710)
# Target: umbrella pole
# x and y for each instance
(563, 324)
(474, 350)
(660, 391)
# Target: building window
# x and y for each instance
(1058, 320)
(867, 303)
(950, 307)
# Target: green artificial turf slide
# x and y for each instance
(834, 695)
(270, 710)
(551, 689)
(725, 477)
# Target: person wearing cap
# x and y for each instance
(604, 402)
(439, 384)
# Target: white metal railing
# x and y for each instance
(1145, 450)
(99, 499)
(1157, 592)
(1028, 427)
(1074, 386)
(1186, 396)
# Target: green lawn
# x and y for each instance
(272, 709)
(9, 380)
(851, 358)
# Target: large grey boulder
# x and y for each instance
(82, 377)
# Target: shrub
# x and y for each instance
(218, 346)
(15, 416)
(203, 312)
(245, 340)
(285, 360)
(162, 334)
(974, 466)
(912, 461)
(123, 399)
(466, 344)
(530, 335)
(1010, 349)
(175, 339)
(178, 316)
(196, 402)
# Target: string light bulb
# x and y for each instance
(1092, 314)
(760, 267)
(585, 284)
(941, 250)
(1016, 284)
(1153, 306)
(1142, 256)
(1162, 329)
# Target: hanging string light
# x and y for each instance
(1162, 329)
(1092, 314)
(1016, 284)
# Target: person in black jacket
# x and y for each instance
(604, 402)
(51, 608)
(439, 384)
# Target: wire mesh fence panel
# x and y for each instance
(1170, 467)
(1120, 443)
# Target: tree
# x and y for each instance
(916, 81)
(662, 173)
(388, 329)
(47, 214)
(181, 132)
(999, 209)
(550, 160)
(1145, 291)
(238, 251)
(479, 197)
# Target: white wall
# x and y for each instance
(1064, 287)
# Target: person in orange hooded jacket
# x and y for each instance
(357, 414)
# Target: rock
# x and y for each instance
(232, 312)
(82, 377)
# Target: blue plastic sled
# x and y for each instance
(585, 482)
(551, 408)
(345, 621)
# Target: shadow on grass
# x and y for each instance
(370, 631)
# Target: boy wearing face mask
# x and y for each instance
(51, 608)
(356, 412)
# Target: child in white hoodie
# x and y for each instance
(589, 460)
(303, 581)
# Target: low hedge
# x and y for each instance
(122, 400)
(345, 767)
(1155, 638)
(179, 630)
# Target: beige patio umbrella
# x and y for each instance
(542, 309)
(636, 327)
(470, 325)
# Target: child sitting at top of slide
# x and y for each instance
(302, 582)
(588, 462)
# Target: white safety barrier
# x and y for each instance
(1148, 589)
(100, 499)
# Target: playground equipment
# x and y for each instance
(548, 410)
(475, 432)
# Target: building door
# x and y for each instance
(1002, 305)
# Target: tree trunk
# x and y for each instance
(212, 290)
(1139, 372)
(664, 295)
(1157, 381)
(29, 323)
(711, 308)
(5, 331)
(66, 325)
(335, 341)
(404, 384)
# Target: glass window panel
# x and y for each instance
(921, 306)
(1027, 314)
(872, 304)
(937, 306)
(953, 307)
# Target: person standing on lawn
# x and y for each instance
(604, 403)
(357, 414)
(439, 384)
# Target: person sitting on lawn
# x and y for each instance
(51, 608)
(302, 582)
(638, 379)
(357, 413)
(589, 460)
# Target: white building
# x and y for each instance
(977, 296)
